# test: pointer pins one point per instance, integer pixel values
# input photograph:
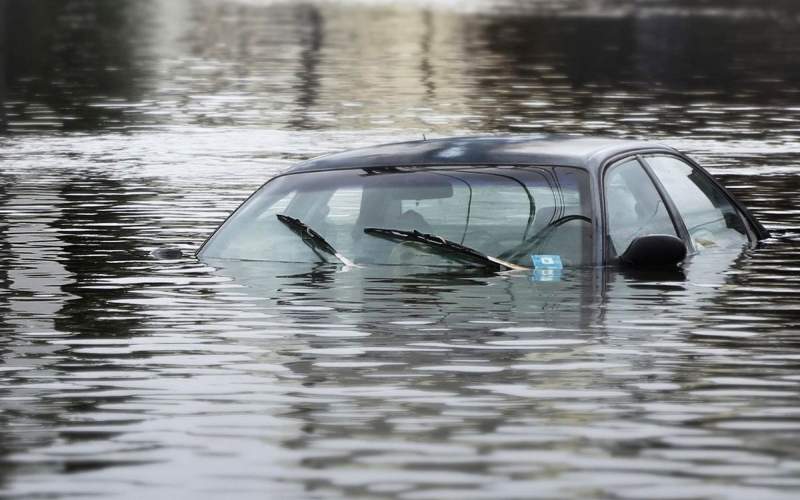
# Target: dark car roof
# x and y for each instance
(529, 149)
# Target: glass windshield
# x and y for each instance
(506, 212)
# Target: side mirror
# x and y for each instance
(167, 253)
(654, 251)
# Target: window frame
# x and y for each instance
(755, 231)
(672, 212)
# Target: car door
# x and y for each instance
(634, 207)
(711, 219)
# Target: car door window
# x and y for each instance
(633, 206)
(710, 217)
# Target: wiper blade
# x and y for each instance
(313, 239)
(442, 246)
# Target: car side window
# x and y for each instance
(710, 217)
(633, 206)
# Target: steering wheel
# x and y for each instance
(479, 239)
(525, 245)
(403, 253)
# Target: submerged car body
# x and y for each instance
(497, 201)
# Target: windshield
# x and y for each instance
(511, 213)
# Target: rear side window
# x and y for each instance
(710, 217)
(633, 206)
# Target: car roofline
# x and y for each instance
(508, 149)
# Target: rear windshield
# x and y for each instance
(511, 213)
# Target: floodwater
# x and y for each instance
(132, 125)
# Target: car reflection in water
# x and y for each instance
(400, 352)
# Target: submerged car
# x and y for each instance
(502, 202)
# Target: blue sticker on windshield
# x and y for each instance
(546, 261)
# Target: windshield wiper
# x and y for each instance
(313, 239)
(442, 246)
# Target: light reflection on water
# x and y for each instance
(120, 373)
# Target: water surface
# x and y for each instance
(132, 125)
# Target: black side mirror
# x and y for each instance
(654, 251)
(167, 253)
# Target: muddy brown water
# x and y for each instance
(132, 125)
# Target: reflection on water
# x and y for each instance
(131, 125)
(724, 72)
